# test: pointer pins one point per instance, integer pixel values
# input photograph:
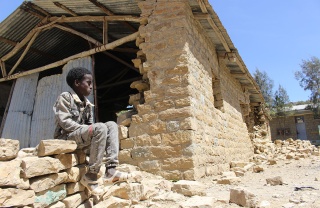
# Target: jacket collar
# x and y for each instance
(77, 99)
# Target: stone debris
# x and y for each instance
(52, 180)
(243, 197)
(9, 149)
(275, 181)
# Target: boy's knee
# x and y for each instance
(99, 127)
(111, 124)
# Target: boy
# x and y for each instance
(74, 121)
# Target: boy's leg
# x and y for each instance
(112, 149)
(112, 145)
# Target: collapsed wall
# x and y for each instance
(190, 122)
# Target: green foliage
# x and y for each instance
(265, 84)
(281, 103)
(309, 79)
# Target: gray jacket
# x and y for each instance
(70, 114)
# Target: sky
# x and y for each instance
(273, 36)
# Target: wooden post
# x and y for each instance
(7, 107)
(3, 68)
(105, 32)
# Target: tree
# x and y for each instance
(281, 109)
(309, 79)
(265, 84)
(281, 102)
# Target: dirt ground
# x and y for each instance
(301, 186)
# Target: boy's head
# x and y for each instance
(80, 80)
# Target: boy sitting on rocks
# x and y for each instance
(74, 121)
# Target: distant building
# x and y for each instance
(298, 124)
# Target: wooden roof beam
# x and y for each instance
(105, 47)
(96, 18)
(13, 43)
(108, 12)
(75, 15)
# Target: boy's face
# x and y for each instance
(83, 87)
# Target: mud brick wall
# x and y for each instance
(178, 132)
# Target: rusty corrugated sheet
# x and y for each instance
(18, 121)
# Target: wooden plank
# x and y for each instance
(119, 83)
(129, 18)
(79, 55)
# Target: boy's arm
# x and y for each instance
(63, 115)
(90, 120)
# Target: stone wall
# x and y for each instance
(186, 128)
(45, 176)
(289, 123)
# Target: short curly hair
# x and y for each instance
(76, 74)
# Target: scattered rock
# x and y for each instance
(275, 181)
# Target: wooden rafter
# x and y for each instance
(97, 43)
(73, 31)
(24, 52)
(3, 69)
(96, 18)
(76, 15)
(108, 12)
(13, 43)
(26, 40)
(79, 55)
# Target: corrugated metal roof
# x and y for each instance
(56, 44)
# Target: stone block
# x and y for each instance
(113, 202)
(75, 200)
(50, 196)
(242, 197)
(229, 180)
(9, 149)
(123, 132)
(27, 152)
(67, 160)
(177, 138)
(55, 146)
(198, 202)
(24, 183)
(177, 164)
(189, 188)
(34, 166)
(12, 197)
(10, 173)
(42, 183)
(74, 188)
(87, 204)
(58, 204)
(75, 173)
(179, 113)
(275, 181)
(126, 143)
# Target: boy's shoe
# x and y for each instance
(92, 186)
(118, 177)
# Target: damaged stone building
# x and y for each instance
(166, 70)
